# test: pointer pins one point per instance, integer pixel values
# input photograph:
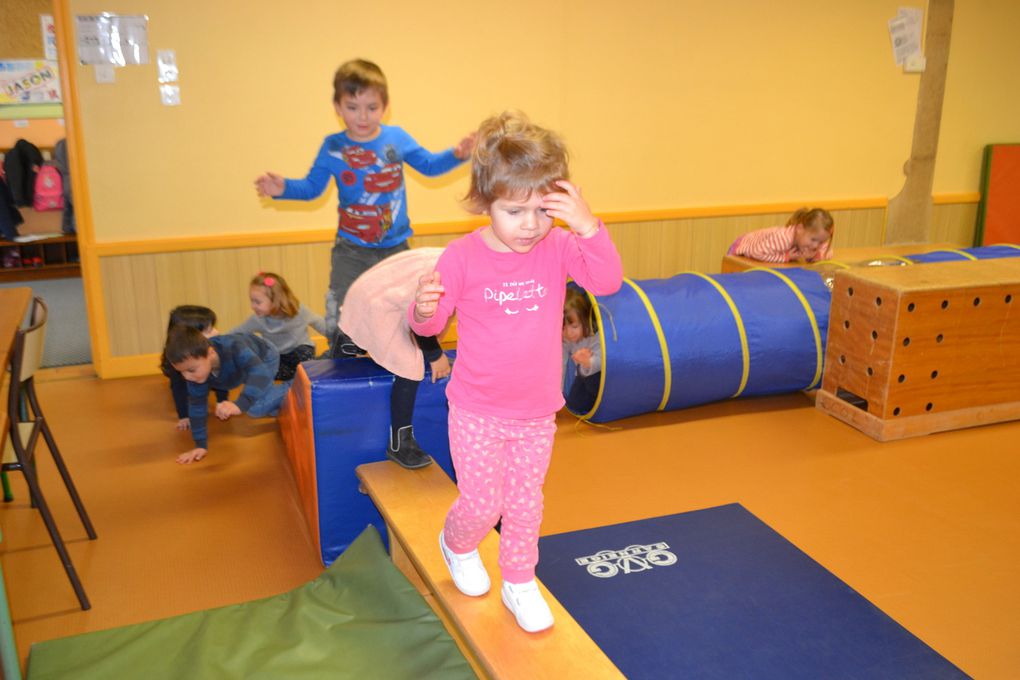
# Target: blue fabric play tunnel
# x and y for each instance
(695, 338)
(953, 255)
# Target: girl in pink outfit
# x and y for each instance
(506, 283)
(806, 237)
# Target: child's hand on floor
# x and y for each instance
(426, 298)
(192, 456)
(183, 424)
(569, 206)
(440, 368)
(582, 357)
(226, 409)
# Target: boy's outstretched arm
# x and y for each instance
(270, 185)
(464, 147)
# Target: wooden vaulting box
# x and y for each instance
(919, 349)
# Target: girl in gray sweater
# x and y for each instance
(282, 320)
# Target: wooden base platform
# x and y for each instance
(414, 504)
(916, 350)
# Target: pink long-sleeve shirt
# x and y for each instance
(773, 244)
(510, 317)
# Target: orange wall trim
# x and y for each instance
(247, 240)
(962, 197)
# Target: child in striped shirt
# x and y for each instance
(806, 237)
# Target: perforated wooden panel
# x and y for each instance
(924, 348)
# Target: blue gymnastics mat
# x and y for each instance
(716, 593)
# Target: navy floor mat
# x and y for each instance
(716, 593)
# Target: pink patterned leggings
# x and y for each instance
(501, 465)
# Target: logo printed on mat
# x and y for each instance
(609, 563)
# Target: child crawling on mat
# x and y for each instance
(204, 320)
(224, 362)
(582, 353)
(806, 237)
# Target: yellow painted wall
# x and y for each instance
(664, 104)
(678, 114)
(982, 104)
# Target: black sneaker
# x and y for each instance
(408, 453)
(343, 347)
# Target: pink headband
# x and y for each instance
(269, 281)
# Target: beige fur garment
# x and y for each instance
(374, 313)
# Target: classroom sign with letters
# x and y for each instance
(29, 81)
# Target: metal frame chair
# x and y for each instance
(26, 423)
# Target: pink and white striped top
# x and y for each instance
(773, 244)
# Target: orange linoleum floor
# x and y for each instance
(928, 529)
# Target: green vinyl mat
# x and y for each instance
(360, 619)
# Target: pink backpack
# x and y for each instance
(49, 189)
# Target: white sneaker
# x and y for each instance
(528, 606)
(467, 570)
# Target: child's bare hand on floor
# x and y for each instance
(192, 456)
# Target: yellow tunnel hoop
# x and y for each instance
(957, 251)
(602, 344)
(667, 368)
(811, 319)
(745, 351)
(1007, 245)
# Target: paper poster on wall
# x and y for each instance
(49, 36)
(113, 39)
(905, 33)
(29, 81)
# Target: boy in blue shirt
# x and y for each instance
(367, 162)
(224, 362)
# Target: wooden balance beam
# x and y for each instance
(414, 504)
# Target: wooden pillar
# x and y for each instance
(909, 216)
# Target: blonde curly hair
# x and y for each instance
(514, 158)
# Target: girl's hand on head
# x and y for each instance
(426, 298)
(464, 147)
(269, 184)
(570, 206)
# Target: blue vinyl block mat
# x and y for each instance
(717, 593)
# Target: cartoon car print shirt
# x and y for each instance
(370, 181)
(510, 317)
